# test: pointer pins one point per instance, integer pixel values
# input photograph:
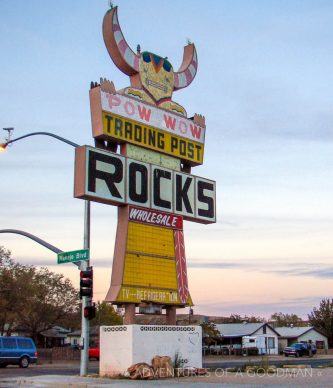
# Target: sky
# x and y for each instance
(265, 87)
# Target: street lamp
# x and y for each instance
(33, 237)
(86, 243)
(10, 141)
(3, 146)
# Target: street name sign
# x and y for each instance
(73, 256)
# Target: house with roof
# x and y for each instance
(293, 334)
(236, 334)
(56, 336)
(53, 337)
(73, 338)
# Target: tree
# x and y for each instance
(33, 299)
(106, 315)
(322, 319)
(287, 319)
(236, 318)
(7, 314)
(210, 334)
(50, 299)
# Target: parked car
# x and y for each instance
(17, 351)
(94, 351)
(300, 349)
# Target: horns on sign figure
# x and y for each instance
(128, 61)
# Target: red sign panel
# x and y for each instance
(181, 266)
(153, 217)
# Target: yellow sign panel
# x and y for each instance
(148, 271)
(126, 130)
(151, 240)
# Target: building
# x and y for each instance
(293, 334)
(234, 335)
(181, 319)
(53, 337)
(56, 336)
(73, 338)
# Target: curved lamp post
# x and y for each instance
(33, 237)
(86, 243)
(4, 145)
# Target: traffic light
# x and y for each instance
(90, 312)
(86, 283)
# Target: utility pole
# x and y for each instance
(85, 300)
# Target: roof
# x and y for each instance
(294, 332)
(239, 329)
(53, 333)
(93, 331)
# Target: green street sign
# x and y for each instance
(72, 256)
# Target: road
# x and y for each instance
(278, 362)
(72, 368)
(61, 368)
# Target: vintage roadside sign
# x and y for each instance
(145, 148)
(73, 256)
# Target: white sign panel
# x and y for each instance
(184, 194)
(108, 174)
(150, 115)
(205, 195)
(137, 183)
(162, 182)
(110, 178)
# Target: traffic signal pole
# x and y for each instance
(85, 300)
(84, 334)
(86, 245)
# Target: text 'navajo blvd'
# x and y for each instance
(73, 256)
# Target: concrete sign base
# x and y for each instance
(123, 346)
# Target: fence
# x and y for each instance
(53, 354)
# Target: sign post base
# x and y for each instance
(123, 346)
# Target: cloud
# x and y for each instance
(47, 262)
(300, 306)
(281, 267)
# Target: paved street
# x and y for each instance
(60, 368)
(226, 362)
(61, 374)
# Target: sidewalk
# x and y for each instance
(283, 378)
(214, 358)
